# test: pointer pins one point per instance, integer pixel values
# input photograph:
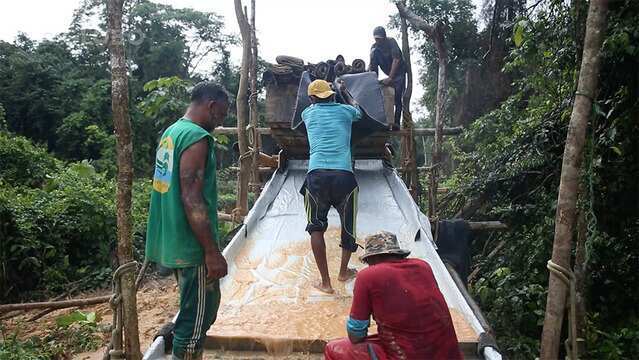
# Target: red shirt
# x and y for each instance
(412, 317)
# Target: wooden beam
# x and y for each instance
(233, 131)
(54, 304)
(484, 225)
(428, 131)
(262, 169)
(226, 217)
(416, 131)
(487, 225)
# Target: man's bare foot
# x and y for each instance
(325, 289)
(350, 274)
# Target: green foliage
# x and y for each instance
(461, 40)
(63, 232)
(23, 163)
(79, 138)
(166, 100)
(77, 317)
(511, 157)
(57, 92)
(518, 34)
(619, 344)
(46, 244)
(74, 333)
(3, 120)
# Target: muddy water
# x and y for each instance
(272, 296)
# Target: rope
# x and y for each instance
(246, 155)
(114, 349)
(568, 278)
(587, 96)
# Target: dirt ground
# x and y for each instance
(157, 304)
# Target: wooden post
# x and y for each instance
(436, 35)
(124, 148)
(243, 112)
(255, 183)
(566, 204)
(442, 57)
(409, 161)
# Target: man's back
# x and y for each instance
(328, 126)
(403, 297)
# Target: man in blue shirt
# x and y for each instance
(330, 180)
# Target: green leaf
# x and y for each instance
(616, 150)
(222, 139)
(91, 317)
(68, 319)
(84, 169)
(518, 35)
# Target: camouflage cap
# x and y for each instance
(383, 242)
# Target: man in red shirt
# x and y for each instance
(401, 294)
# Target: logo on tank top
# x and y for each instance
(163, 165)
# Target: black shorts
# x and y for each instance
(325, 188)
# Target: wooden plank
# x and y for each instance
(262, 169)
(485, 225)
(428, 131)
(233, 131)
(224, 217)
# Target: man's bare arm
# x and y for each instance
(394, 67)
(347, 96)
(192, 166)
(391, 77)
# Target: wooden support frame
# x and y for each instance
(261, 169)
(449, 131)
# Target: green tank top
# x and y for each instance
(169, 238)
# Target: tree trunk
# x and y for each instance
(243, 112)
(436, 35)
(409, 161)
(442, 58)
(566, 204)
(256, 182)
(124, 148)
(409, 67)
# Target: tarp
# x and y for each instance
(271, 265)
(453, 244)
(364, 88)
(262, 256)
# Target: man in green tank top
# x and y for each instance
(182, 229)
